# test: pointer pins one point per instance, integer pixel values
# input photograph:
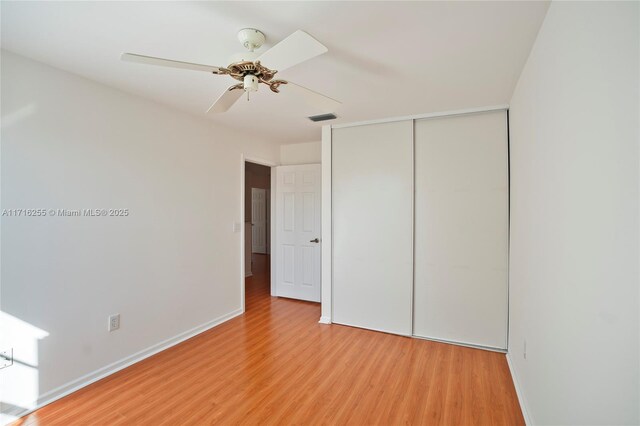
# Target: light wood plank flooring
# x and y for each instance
(276, 365)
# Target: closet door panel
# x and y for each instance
(461, 229)
(372, 202)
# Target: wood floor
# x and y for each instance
(276, 365)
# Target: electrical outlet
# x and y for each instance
(114, 322)
(524, 351)
(6, 358)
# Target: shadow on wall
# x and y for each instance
(20, 386)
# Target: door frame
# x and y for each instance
(271, 165)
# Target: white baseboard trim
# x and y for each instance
(105, 371)
(466, 345)
(325, 320)
(523, 406)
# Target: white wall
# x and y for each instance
(171, 265)
(574, 218)
(301, 153)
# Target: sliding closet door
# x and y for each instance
(372, 203)
(461, 229)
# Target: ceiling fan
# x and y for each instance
(247, 67)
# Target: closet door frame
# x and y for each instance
(327, 209)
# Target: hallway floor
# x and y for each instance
(276, 365)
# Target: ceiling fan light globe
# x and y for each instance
(251, 83)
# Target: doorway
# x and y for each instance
(257, 230)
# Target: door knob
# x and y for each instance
(315, 240)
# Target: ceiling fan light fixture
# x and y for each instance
(251, 83)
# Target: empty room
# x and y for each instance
(319, 213)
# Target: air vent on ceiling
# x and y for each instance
(323, 117)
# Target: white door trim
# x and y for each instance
(326, 298)
(243, 159)
(421, 116)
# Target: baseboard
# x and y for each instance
(325, 320)
(523, 406)
(379, 330)
(103, 372)
(466, 345)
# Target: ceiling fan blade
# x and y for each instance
(296, 48)
(226, 100)
(150, 60)
(323, 103)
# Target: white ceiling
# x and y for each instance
(385, 58)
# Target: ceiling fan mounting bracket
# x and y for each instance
(251, 38)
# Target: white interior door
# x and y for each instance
(259, 220)
(298, 232)
(461, 229)
(372, 203)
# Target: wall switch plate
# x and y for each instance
(6, 358)
(236, 226)
(114, 322)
